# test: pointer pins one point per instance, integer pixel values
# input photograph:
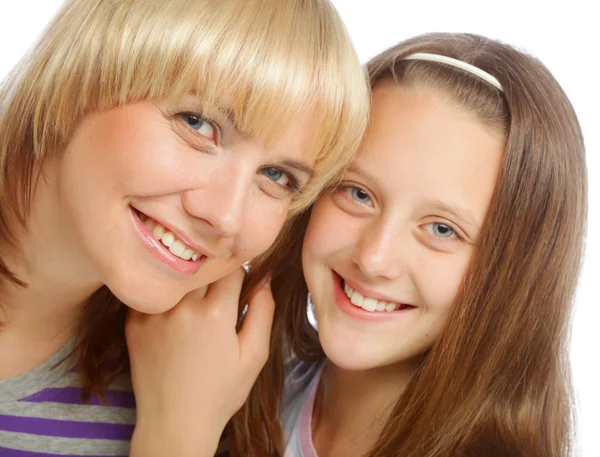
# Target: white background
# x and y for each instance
(564, 35)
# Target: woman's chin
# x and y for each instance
(149, 300)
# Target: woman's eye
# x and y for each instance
(277, 175)
(440, 230)
(200, 125)
(359, 195)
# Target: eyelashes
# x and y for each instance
(199, 132)
(441, 231)
(357, 194)
(275, 174)
(200, 125)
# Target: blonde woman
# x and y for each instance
(147, 150)
(442, 269)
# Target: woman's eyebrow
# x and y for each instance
(229, 114)
(220, 110)
(231, 117)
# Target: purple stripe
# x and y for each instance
(5, 452)
(66, 429)
(72, 396)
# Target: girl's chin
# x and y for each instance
(347, 357)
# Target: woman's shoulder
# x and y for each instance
(44, 409)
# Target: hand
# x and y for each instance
(191, 371)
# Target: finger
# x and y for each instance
(255, 333)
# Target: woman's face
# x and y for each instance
(156, 201)
(386, 252)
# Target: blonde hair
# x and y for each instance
(497, 382)
(267, 60)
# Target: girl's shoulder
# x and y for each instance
(299, 383)
(299, 378)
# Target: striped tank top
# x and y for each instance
(41, 415)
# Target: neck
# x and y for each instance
(39, 318)
(352, 407)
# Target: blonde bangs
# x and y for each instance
(266, 61)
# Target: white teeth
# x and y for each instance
(158, 231)
(357, 299)
(367, 303)
(177, 248)
(169, 240)
(187, 254)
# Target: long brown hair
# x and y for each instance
(99, 54)
(497, 382)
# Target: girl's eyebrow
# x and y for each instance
(300, 167)
(461, 213)
(355, 168)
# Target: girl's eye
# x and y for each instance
(198, 124)
(440, 230)
(360, 195)
(276, 175)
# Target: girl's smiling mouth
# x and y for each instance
(371, 304)
(360, 304)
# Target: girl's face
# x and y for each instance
(386, 252)
(155, 201)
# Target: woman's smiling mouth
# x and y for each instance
(166, 246)
(170, 240)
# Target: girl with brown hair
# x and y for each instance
(148, 149)
(442, 270)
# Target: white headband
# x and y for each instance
(458, 64)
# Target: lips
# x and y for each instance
(368, 303)
(170, 240)
(172, 256)
(359, 303)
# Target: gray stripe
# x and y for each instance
(78, 413)
(72, 379)
(27, 384)
(46, 375)
(65, 446)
